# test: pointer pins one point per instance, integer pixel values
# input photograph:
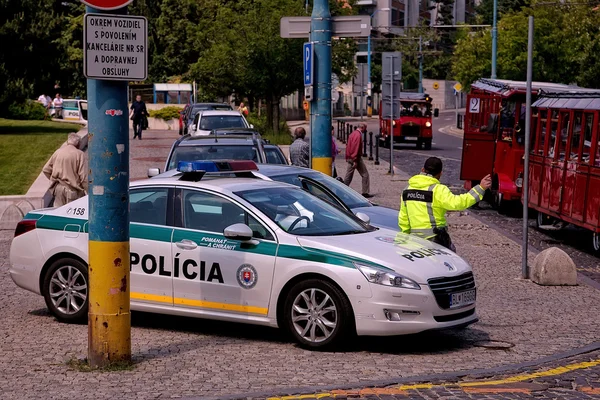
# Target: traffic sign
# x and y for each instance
(458, 87)
(308, 56)
(115, 47)
(106, 4)
(342, 26)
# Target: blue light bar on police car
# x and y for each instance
(217, 166)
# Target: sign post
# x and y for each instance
(391, 80)
(308, 58)
(115, 52)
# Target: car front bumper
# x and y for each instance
(393, 311)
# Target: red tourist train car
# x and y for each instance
(564, 169)
(494, 129)
(412, 125)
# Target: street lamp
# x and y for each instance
(494, 39)
(370, 112)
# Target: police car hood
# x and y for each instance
(415, 258)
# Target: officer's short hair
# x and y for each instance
(299, 133)
(73, 139)
(433, 166)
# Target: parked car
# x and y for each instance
(326, 188)
(206, 121)
(193, 109)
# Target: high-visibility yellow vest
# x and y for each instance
(425, 201)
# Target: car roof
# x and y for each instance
(189, 140)
(220, 113)
(279, 169)
(197, 105)
(218, 184)
(241, 131)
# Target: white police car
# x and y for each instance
(253, 251)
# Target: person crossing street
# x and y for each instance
(425, 201)
(355, 161)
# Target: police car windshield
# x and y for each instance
(351, 198)
(212, 152)
(300, 213)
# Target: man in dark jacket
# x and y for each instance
(355, 161)
(137, 114)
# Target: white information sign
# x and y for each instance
(115, 47)
(474, 105)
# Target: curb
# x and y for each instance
(445, 376)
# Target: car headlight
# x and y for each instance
(386, 278)
(428, 124)
(519, 182)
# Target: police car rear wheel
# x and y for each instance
(317, 314)
(65, 290)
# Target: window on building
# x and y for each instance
(397, 17)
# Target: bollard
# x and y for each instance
(364, 154)
(458, 121)
(370, 146)
(377, 149)
(339, 123)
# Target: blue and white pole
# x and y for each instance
(109, 322)
(320, 35)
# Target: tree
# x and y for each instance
(485, 10)
(565, 47)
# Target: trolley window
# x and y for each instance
(587, 138)
(564, 135)
(534, 130)
(576, 137)
(541, 132)
(553, 129)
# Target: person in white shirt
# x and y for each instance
(58, 106)
(43, 100)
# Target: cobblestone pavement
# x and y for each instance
(571, 378)
(184, 357)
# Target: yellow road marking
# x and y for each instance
(402, 389)
(199, 303)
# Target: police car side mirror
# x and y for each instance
(363, 217)
(194, 127)
(241, 232)
(153, 172)
(251, 126)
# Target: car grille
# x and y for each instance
(408, 130)
(443, 287)
(454, 317)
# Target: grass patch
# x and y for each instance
(280, 139)
(82, 365)
(25, 146)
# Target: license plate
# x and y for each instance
(462, 298)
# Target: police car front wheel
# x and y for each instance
(65, 290)
(318, 315)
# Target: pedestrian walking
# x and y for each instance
(425, 201)
(137, 114)
(355, 161)
(299, 150)
(243, 109)
(334, 152)
(67, 172)
(58, 106)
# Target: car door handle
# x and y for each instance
(186, 244)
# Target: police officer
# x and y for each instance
(425, 201)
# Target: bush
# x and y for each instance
(29, 110)
(166, 113)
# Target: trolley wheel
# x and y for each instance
(419, 144)
(428, 144)
(596, 242)
(548, 222)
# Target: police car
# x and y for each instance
(248, 250)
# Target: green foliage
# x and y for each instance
(485, 10)
(264, 127)
(166, 113)
(565, 49)
(44, 38)
(27, 110)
